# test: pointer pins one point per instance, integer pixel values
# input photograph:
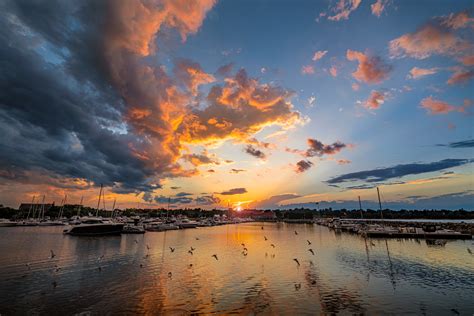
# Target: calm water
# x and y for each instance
(347, 274)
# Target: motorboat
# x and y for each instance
(95, 226)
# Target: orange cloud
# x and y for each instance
(191, 75)
(319, 54)
(307, 70)
(468, 60)
(343, 9)
(461, 76)
(416, 72)
(333, 71)
(371, 69)
(436, 107)
(378, 7)
(458, 20)
(245, 105)
(433, 38)
(375, 100)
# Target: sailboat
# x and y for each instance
(95, 226)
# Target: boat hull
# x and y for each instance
(95, 230)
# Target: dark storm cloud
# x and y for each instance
(237, 170)
(254, 152)
(462, 144)
(183, 194)
(317, 148)
(173, 200)
(303, 165)
(207, 200)
(234, 191)
(398, 171)
(58, 114)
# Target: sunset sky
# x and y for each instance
(252, 103)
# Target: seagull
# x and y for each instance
(100, 258)
(469, 250)
(297, 286)
(215, 256)
(243, 245)
(141, 265)
(57, 268)
(172, 249)
(52, 255)
(296, 260)
(455, 311)
(189, 251)
(147, 247)
(262, 227)
(245, 249)
(296, 233)
(309, 242)
(273, 256)
(311, 250)
(136, 241)
(272, 245)
(190, 265)
(373, 245)
(192, 249)
(265, 238)
(170, 275)
(244, 253)
(197, 238)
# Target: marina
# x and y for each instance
(140, 274)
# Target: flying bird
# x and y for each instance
(311, 250)
(297, 286)
(197, 238)
(469, 250)
(265, 238)
(296, 260)
(172, 249)
(272, 245)
(170, 274)
(244, 253)
(309, 242)
(262, 227)
(296, 233)
(52, 255)
(243, 245)
(192, 249)
(245, 249)
(215, 256)
(136, 241)
(373, 245)
(147, 247)
(189, 251)
(100, 258)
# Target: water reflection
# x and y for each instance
(141, 275)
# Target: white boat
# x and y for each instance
(7, 223)
(94, 226)
(160, 227)
(186, 223)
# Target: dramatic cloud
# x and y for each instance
(398, 171)
(255, 152)
(317, 148)
(333, 71)
(303, 165)
(234, 191)
(416, 73)
(319, 54)
(371, 69)
(462, 144)
(435, 37)
(191, 75)
(180, 194)
(461, 76)
(343, 9)
(375, 100)
(434, 106)
(468, 60)
(237, 110)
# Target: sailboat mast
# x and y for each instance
(79, 208)
(42, 207)
(168, 209)
(31, 206)
(380, 204)
(113, 208)
(360, 208)
(98, 202)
